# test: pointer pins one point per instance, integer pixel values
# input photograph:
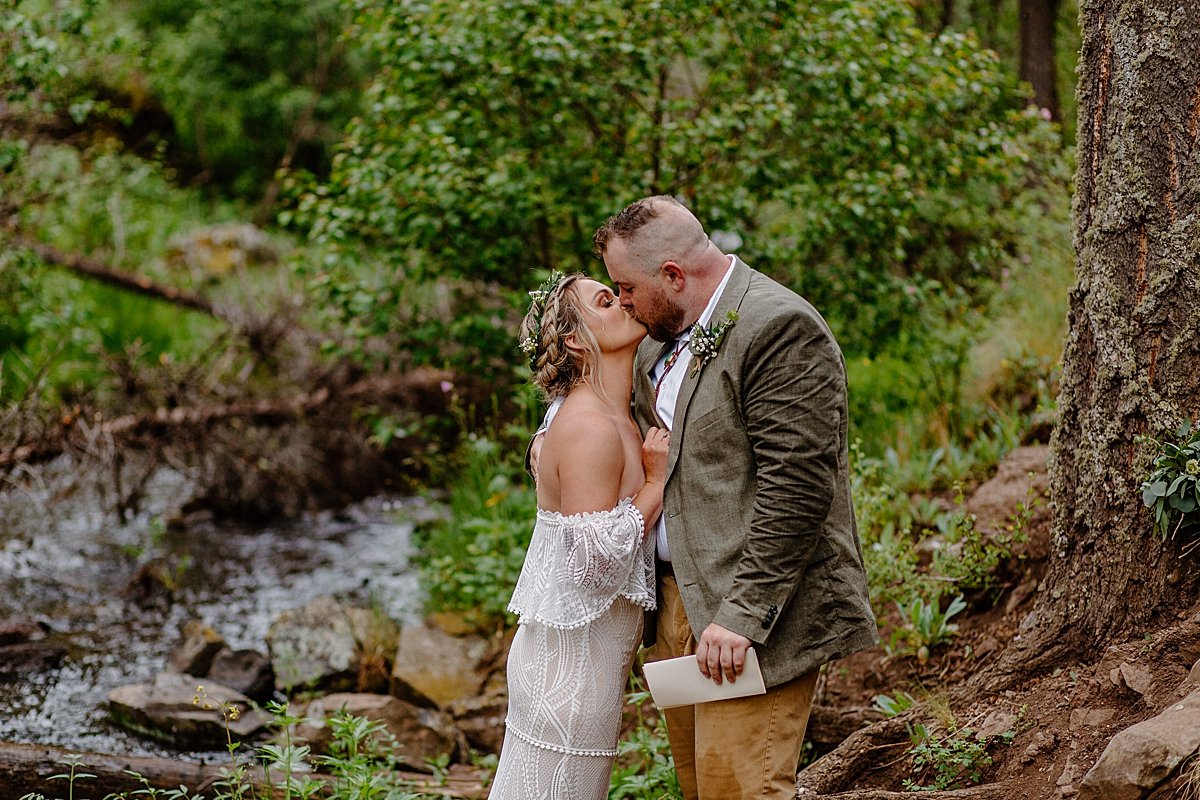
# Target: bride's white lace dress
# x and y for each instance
(584, 584)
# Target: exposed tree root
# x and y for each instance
(988, 791)
(840, 768)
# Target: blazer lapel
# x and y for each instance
(730, 300)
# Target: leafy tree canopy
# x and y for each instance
(850, 153)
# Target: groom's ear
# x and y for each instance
(673, 274)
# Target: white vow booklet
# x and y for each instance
(679, 682)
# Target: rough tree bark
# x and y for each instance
(1132, 360)
(1037, 22)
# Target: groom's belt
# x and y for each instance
(665, 569)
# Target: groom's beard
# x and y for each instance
(663, 320)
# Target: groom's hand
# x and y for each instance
(721, 653)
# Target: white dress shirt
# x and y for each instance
(668, 391)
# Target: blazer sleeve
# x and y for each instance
(794, 405)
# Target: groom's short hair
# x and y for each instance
(629, 221)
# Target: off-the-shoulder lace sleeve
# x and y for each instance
(578, 565)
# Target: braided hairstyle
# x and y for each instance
(557, 368)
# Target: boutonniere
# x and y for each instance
(705, 341)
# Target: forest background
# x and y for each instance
(286, 245)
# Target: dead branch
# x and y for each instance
(91, 268)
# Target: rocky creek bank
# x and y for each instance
(430, 689)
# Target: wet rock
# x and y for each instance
(378, 636)
(481, 719)
(1142, 756)
(435, 668)
(243, 671)
(422, 733)
(17, 630)
(314, 647)
(166, 710)
(194, 655)
(21, 660)
(150, 586)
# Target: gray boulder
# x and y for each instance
(1142, 756)
(167, 710)
(314, 647)
(245, 671)
(422, 734)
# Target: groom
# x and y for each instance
(757, 544)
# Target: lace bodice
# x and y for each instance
(577, 565)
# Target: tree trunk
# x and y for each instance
(1038, 19)
(1132, 360)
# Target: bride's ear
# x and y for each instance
(572, 343)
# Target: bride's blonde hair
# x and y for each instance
(557, 368)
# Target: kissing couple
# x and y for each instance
(693, 497)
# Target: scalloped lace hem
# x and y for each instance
(557, 748)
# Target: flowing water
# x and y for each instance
(66, 563)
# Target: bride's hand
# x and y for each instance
(654, 454)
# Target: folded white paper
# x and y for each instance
(679, 682)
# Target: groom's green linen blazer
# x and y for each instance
(757, 506)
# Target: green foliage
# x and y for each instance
(947, 762)
(473, 559)
(121, 209)
(894, 706)
(924, 626)
(363, 764)
(1172, 490)
(247, 85)
(851, 154)
(644, 769)
(42, 44)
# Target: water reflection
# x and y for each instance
(66, 563)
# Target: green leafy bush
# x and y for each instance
(947, 762)
(924, 625)
(853, 156)
(1172, 490)
(644, 769)
(473, 558)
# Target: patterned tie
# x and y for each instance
(680, 343)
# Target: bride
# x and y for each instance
(589, 572)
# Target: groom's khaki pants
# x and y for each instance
(748, 747)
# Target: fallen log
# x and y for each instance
(422, 384)
(26, 768)
(91, 268)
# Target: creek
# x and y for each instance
(67, 563)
